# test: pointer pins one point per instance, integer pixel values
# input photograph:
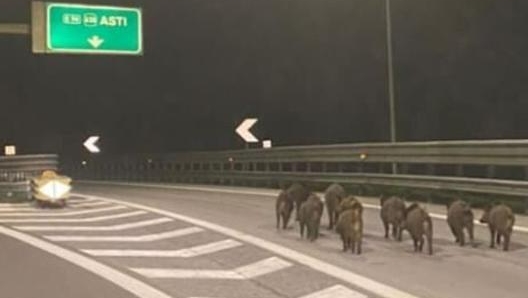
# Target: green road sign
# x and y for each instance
(76, 28)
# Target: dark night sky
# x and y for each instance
(312, 71)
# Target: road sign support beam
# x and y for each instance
(18, 29)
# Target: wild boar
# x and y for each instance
(310, 217)
(283, 209)
(460, 217)
(346, 203)
(500, 220)
(418, 223)
(392, 214)
(333, 196)
(350, 226)
(297, 193)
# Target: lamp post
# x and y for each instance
(390, 74)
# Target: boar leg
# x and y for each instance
(492, 232)
(453, 230)
(386, 226)
(506, 241)
(498, 238)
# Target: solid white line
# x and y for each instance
(87, 204)
(337, 291)
(181, 253)
(316, 264)
(142, 238)
(44, 213)
(77, 220)
(260, 193)
(250, 271)
(128, 283)
(120, 227)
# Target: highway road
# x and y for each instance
(208, 241)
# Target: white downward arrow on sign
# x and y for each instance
(95, 41)
(90, 144)
(243, 130)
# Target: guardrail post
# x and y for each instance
(308, 167)
(324, 167)
(490, 171)
(430, 169)
(459, 170)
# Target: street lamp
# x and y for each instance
(390, 74)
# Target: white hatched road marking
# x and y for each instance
(120, 227)
(44, 213)
(357, 280)
(76, 220)
(142, 238)
(253, 270)
(126, 282)
(181, 253)
(337, 291)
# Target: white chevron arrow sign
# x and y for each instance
(243, 130)
(90, 144)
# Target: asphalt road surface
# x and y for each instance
(204, 241)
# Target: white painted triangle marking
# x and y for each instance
(337, 291)
(181, 253)
(250, 271)
(142, 238)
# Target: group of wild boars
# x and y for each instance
(333, 196)
(283, 209)
(460, 217)
(350, 224)
(419, 224)
(500, 220)
(310, 217)
(392, 214)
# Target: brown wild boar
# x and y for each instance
(283, 209)
(418, 223)
(350, 226)
(460, 217)
(333, 196)
(347, 203)
(310, 217)
(297, 193)
(500, 220)
(392, 214)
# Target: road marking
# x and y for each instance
(259, 193)
(34, 209)
(87, 204)
(250, 271)
(142, 238)
(121, 227)
(128, 283)
(311, 262)
(181, 253)
(337, 291)
(77, 220)
(44, 213)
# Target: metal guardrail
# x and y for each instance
(16, 171)
(360, 164)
